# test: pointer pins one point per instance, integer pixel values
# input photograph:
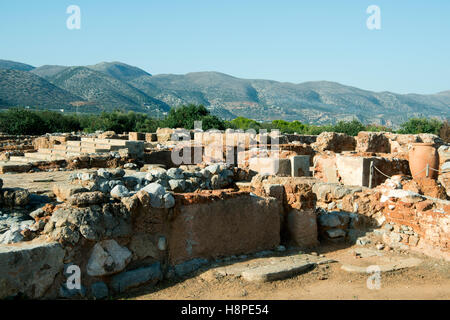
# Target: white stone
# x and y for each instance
(214, 168)
(155, 189)
(158, 173)
(108, 257)
(120, 191)
(104, 173)
(445, 166)
(169, 201)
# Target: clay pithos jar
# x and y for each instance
(421, 155)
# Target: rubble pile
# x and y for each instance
(119, 184)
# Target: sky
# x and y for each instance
(288, 41)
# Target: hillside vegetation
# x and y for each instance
(15, 91)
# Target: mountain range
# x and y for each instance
(114, 85)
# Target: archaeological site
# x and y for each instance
(123, 215)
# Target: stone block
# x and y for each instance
(65, 191)
(136, 136)
(278, 271)
(29, 268)
(300, 166)
(107, 257)
(151, 137)
(271, 166)
(302, 228)
(134, 278)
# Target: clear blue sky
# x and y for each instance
(293, 41)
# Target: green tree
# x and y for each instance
(21, 121)
(244, 124)
(420, 125)
(185, 116)
(351, 128)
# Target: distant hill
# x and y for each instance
(315, 102)
(22, 88)
(12, 65)
(48, 71)
(115, 85)
(120, 71)
(444, 93)
(102, 90)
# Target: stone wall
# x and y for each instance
(335, 142)
(406, 219)
(372, 142)
(401, 143)
(123, 244)
(417, 222)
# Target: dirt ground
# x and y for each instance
(39, 182)
(429, 280)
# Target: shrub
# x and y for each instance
(351, 128)
(420, 125)
(21, 121)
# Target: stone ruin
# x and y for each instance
(128, 214)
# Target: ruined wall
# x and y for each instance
(119, 245)
(401, 143)
(417, 222)
(354, 169)
(295, 195)
(336, 142)
(209, 225)
(408, 220)
(372, 142)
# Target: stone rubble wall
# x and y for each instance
(121, 245)
(373, 142)
(336, 142)
(405, 219)
(401, 143)
(417, 222)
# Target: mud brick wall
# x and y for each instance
(218, 224)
